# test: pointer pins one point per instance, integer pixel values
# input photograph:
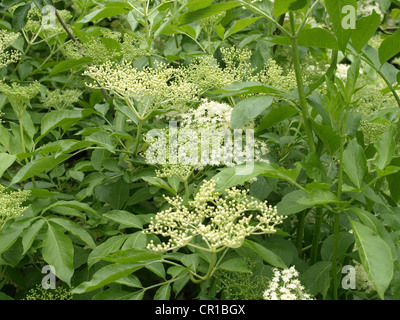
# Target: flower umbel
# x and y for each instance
(285, 285)
(221, 221)
(38, 293)
(11, 204)
(10, 56)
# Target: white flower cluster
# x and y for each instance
(366, 7)
(273, 74)
(59, 99)
(221, 221)
(18, 95)
(285, 285)
(341, 71)
(149, 88)
(10, 56)
(36, 23)
(205, 137)
(210, 114)
(11, 204)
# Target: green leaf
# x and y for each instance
(345, 241)
(365, 29)
(74, 205)
(157, 268)
(6, 160)
(30, 234)
(375, 255)
(319, 197)
(372, 222)
(235, 265)
(191, 261)
(158, 182)
(115, 194)
(132, 256)
(393, 180)
(193, 16)
(76, 230)
(19, 16)
(3, 296)
(228, 177)
(60, 118)
(130, 281)
(108, 274)
(5, 4)
(220, 30)
(277, 115)
(289, 203)
(239, 25)
(245, 88)
(125, 218)
(41, 3)
(163, 293)
(314, 167)
(266, 254)
(315, 37)
(70, 65)
(386, 148)
(105, 12)
(137, 240)
(248, 109)
(317, 278)
(103, 139)
(109, 246)
(389, 47)
(328, 136)
(354, 162)
(58, 251)
(283, 6)
(232, 176)
(11, 232)
(194, 5)
(35, 167)
(113, 294)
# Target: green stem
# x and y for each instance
(187, 194)
(300, 231)
(209, 272)
(335, 55)
(138, 135)
(316, 236)
(21, 132)
(336, 224)
(309, 12)
(21, 59)
(147, 28)
(2, 272)
(300, 84)
(336, 227)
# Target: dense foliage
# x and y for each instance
(114, 170)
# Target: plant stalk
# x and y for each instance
(316, 236)
(300, 84)
(138, 135)
(336, 223)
